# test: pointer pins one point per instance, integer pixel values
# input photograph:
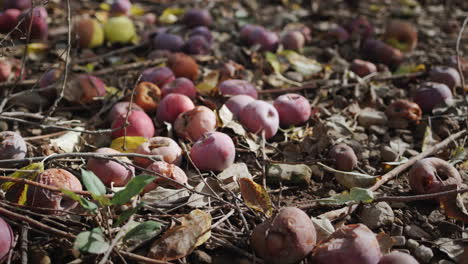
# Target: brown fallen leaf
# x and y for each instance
(453, 204)
(181, 240)
(255, 196)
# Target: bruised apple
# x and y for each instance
(286, 239)
(350, 244)
(429, 175)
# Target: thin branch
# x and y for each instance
(404, 199)
(67, 64)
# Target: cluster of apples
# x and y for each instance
(290, 237)
(20, 11)
(174, 104)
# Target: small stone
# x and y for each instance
(412, 244)
(416, 232)
(424, 254)
(377, 215)
(3, 126)
(379, 130)
(388, 154)
(397, 230)
(427, 226)
(369, 117)
(399, 241)
(200, 257)
(289, 174)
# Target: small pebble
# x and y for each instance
(412, 244)
(399, 241)
(397, 230)
(416, 232)
(424, 254)
(376, 215)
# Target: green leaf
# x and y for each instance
(351, 179)
(101, 199)
(88, 205)
(304, 66)
(355, 195)
(91, 241)
(92, 183)
(134, 187)
(143, 231)
(273, 61)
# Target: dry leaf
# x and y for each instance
(68, 141)
(255, 196)
(453, 204)
(181, 240)
(131, 143)
(19, 190)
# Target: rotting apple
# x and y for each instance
(193, 124)
(338, 33)
(42, 198)
(214, 151)
(360, 26)
(237, 102)
(245, 34)
(287, 238)
(429, 175)
(12, 145)
(168, 175)
(5, 70)
(37, 20)
(111, 172)
(51, 77)
(171, 106)
(401, 35)
(164, 146)
(167, 41)
(197, 45)
(157, 75)
(6, 239)
(17, 4)
(430, 94)
(88, 88)
(350, 244)
(180, 85)
(139, 125)
(378, 51)
(343, 157)
(397, 257)
(362, 68)
(197, 17)
(293, 40)
(9, 20)
(266, 39)
(90, 33)
(446, 75)
(120, 8)
(402, 112)
(120, 109)
(183, 66)
(260, 116)
(293, 109)
(236, 86)
(202, 31)
(147, 96)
